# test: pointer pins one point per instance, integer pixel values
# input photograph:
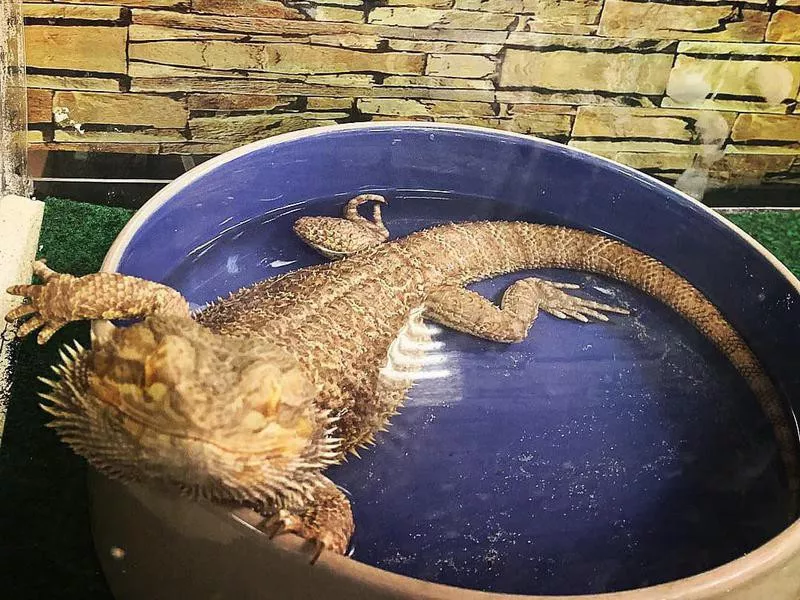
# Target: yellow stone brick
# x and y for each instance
(605, 148)
(631, 123)
(725, 105)
(787, 149)
(337, 14)
(437, 82)
(460, 65)
(574, 11)
(276, 58)
(248, 128)
(774, 81)
(55, 10)
(423, 107)
(673, 21)
(57, 82)
(420, 3)
(428, 17)
(784, 27)
(89, 48)
(40, 106)
(122, 109)
(328, 103)
(754, 127)
(565, 70)
(739, 49)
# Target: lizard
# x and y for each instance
(246, 401)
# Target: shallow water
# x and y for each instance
(588, 458)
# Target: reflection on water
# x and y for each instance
(588, 458)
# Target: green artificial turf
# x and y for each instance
(46, 549)
(778, 231)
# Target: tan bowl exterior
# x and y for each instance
(156, 545)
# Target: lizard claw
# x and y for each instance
(38, 301)
(560, 304)
(284, 522)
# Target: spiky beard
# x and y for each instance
(130, 451)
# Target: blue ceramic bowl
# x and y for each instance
(589, 458)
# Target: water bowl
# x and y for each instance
(625, 458)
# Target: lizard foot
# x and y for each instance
(555, 301)
(327, 523)
(336, 237)
(47, 307)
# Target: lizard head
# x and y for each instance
(219, 417)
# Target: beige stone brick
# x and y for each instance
(460, 65)
(565, 70)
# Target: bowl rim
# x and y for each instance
(745, 569)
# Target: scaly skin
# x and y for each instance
(248, 401)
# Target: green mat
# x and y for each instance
(46, 549)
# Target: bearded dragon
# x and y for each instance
(248, 400)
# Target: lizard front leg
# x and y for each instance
(463, 310)
(63, 298)
(327, 521)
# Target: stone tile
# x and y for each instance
(674, 21)
(784, 27)
(565, 70)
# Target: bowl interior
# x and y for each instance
(587, 458)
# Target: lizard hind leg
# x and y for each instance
(337, 237)
(463, 310)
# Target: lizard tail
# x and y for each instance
(523, 245)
